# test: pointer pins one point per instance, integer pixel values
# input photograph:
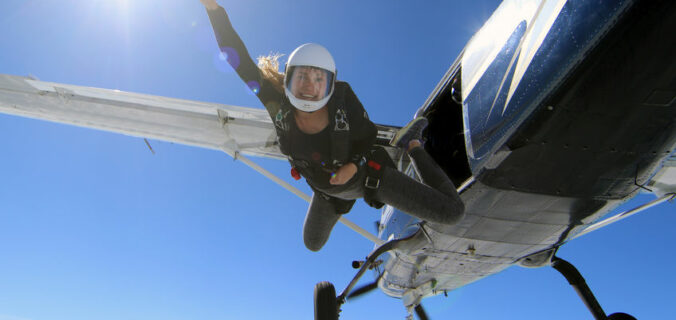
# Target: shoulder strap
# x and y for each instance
(282, 126)
(340, 133)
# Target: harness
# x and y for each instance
(376, 159)
(340, 133)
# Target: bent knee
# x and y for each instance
(314, 243)
(313, 246)
(454, 213)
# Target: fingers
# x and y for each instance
(339, 178)
(344, 174)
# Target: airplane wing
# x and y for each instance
(207, 125)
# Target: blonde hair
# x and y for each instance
(269, 66)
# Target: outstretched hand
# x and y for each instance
(210, 4)
(343, 174)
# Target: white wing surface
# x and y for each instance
(209, 125)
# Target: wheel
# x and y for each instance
(326, 305)
(620, 316)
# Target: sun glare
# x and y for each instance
(124, 4)
(118, 7)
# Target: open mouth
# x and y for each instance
(307, 96)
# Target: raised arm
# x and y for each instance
(238, 57)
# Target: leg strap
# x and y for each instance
(378, 159)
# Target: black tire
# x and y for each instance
(620, 316)
(326, 304)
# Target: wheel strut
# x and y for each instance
(387, 246)
(580, 285)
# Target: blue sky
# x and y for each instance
(94, 226)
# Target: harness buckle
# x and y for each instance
(372, 183)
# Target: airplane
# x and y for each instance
(530, 122)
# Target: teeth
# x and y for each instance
(308, 96)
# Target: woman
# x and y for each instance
(327, 135)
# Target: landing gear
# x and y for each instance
(580, 285)
(421, 313)
(326, 306)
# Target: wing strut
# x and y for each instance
(626, 214)
(238, 156)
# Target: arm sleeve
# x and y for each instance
(238, 57)
(363, 132)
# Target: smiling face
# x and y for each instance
(309, 83)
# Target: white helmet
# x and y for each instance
(309, 77)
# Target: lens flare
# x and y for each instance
(254, 86)
(220, 62)
(231, 56)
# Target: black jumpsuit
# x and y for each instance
(437, 201)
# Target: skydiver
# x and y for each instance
(328, 138)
